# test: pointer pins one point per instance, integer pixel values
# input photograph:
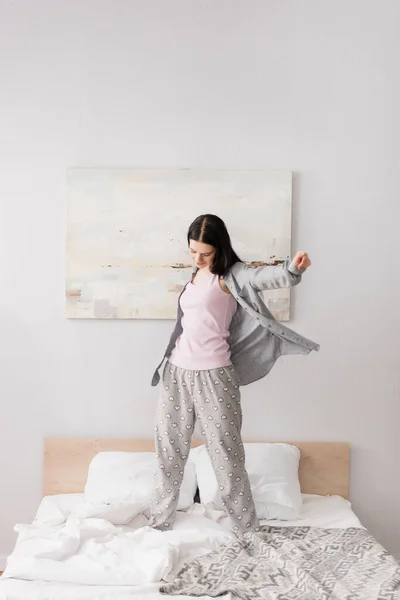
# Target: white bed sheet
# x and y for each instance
(197, 531)
(316, 511)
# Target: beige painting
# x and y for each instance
(127, 255)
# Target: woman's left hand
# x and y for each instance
(301, 260)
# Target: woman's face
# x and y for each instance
(202, 254)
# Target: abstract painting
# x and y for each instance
(127, 255)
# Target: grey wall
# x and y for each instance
(309, 86)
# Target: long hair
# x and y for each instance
(211, 230)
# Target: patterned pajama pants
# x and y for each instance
(213, 398)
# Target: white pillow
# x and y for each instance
(274, 480)
(127, 479)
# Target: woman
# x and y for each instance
(224, 337)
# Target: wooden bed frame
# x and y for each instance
(324, 466)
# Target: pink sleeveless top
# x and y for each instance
(207, 315)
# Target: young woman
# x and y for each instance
(224, 337)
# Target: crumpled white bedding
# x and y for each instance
(76, 545)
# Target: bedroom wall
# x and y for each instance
(312, 87)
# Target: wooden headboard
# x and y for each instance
(324, 466)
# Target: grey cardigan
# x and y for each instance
(256, 339)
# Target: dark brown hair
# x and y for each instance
(211, 230)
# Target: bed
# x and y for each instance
(201, 558)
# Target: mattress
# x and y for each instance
(66, 554)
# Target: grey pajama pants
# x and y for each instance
(213, 398)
